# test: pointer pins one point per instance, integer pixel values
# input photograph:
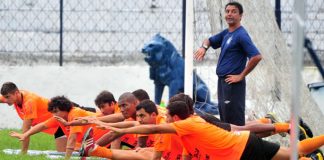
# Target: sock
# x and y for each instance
(309, 145)
(281, 127)
(264, 120)
(101, 152)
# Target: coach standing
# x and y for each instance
(236, 47)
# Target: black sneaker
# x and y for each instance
(305, 131)
(306, 128)
(302, 133)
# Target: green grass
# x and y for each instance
(40, 141)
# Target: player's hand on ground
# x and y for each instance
(61, 120)
(200, 54)
(17, 135)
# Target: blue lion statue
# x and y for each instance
(167, 69)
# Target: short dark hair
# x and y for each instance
(237, 5)
(184, 98)
(148, 105)
(141, 94)
(60, 102)
(104, 97)
(178, 108)
(8, 87)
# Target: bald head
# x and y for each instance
(127, 103)
(127, 97)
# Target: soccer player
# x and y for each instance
(127, 103)
(262, 127)
(62, 107)
(141, 94)
(166, 146)
(32, 109)
(197, 135)
(107, 104)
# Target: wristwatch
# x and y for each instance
(204, 46)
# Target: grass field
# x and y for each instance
(39, 141)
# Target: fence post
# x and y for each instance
(278, 13)
(61, 32)
(296, 98)
(183, 27)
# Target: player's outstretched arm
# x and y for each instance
(80, 121)
(145, 129)
(125, 124)
(117, 117)
(112, 118)
(157, 155)
(70, 145)
(24, 137)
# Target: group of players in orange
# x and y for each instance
(135, 128)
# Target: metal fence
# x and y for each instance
(99, 32)
(314, 25)
(106, 32)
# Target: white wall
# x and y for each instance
(80, 84)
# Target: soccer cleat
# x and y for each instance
(302, 133)
(88, 143)
(306, 128)
(316, 155)
(305, 131)
(274, 119)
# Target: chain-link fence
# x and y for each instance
(313, 26)
(99, 32)
(106, 32)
